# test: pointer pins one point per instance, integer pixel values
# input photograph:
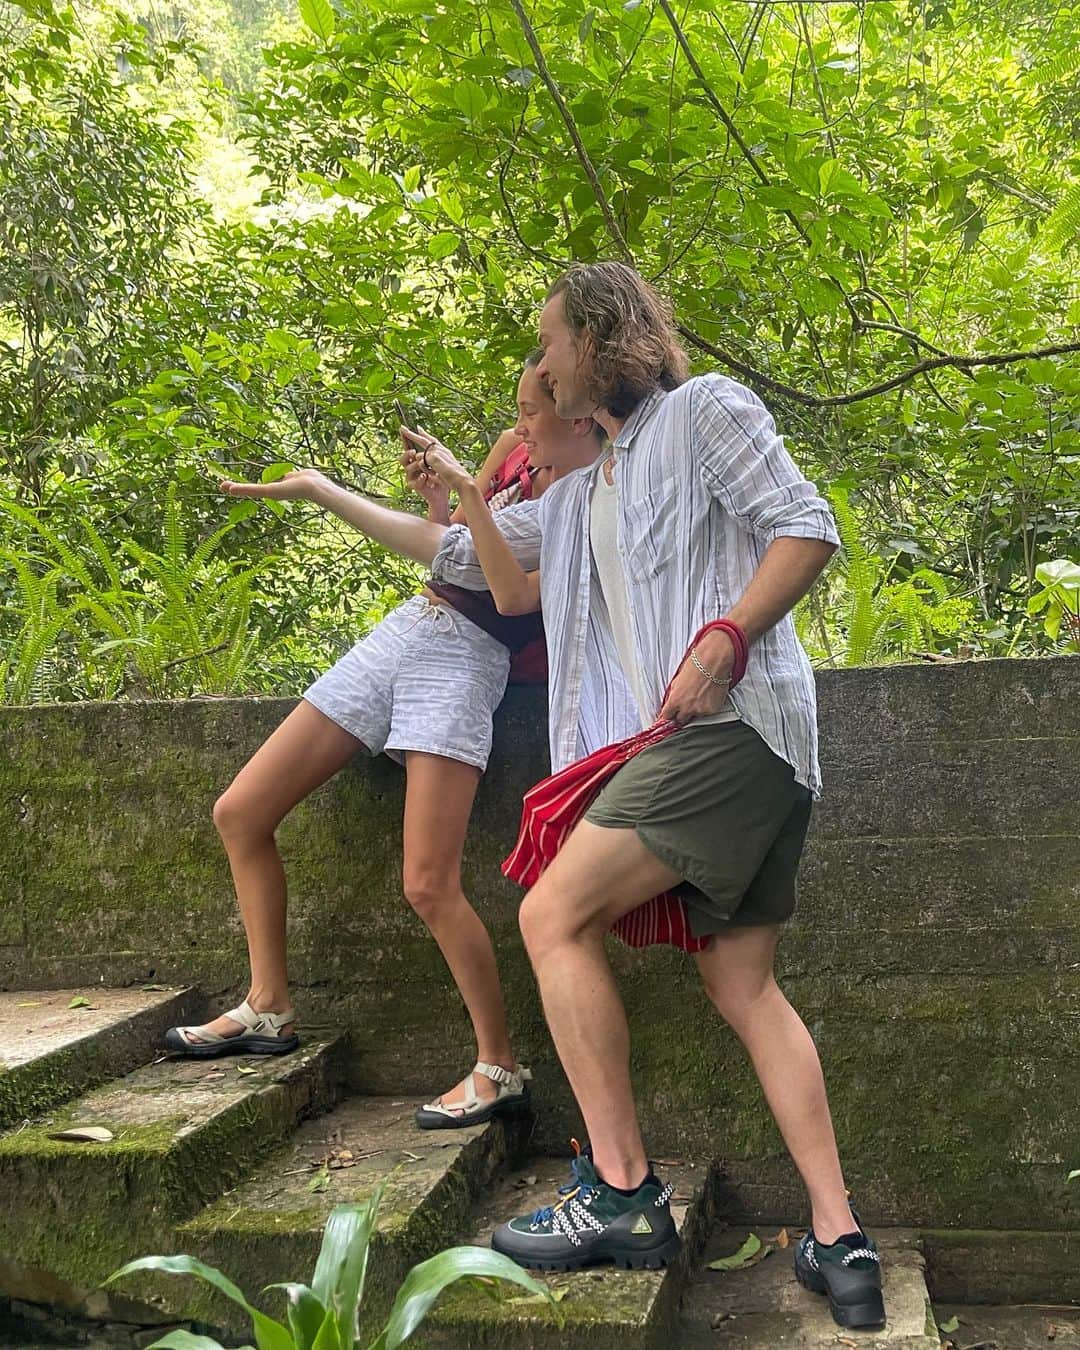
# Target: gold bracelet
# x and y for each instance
(721, 684)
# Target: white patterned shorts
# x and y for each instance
(426, 678)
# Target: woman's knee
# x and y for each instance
(236, 817)
(429, 890)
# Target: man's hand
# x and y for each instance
(302, 485)
(693, 694)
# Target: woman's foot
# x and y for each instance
(490, 1090)
(240, 1031)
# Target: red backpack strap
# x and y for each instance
(515, 468)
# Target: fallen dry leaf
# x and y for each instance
(29, 1005)
(243, 1068)
(557, 1294)
(84, 1134)
(782, 1240)
(749, 1254)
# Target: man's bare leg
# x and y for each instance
(599, 875)
(737, 970)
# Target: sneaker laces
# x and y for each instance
(575, 1187)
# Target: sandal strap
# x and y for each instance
(459, 1109)
(495, 1072)
(257, 1022)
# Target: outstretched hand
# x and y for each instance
(301, 485)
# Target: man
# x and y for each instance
(699, 513)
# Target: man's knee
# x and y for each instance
(735, 994)
(548, 916)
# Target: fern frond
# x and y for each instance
(1063, 222)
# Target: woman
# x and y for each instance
(379, 698)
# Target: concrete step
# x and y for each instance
(1002, 1265)
(601, 1309)
(184, 1131)
(269, 1228)
(51, 1052)
(1048, 1326)
(762, 1306)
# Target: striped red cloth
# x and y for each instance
(551, 808)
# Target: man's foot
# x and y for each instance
(245, 1031)
(490, 1090)
(592, 1223)
(849, 1272)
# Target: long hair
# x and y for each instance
(635, 348)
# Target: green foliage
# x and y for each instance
(832, 195)
(325, 1315)
(94, 624)
(1060, 599)
(869, 612)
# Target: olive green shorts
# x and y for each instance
(715, 805)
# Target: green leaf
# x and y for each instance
(1061, 572)
(273, 472)
(750, 1248)
(79, 1002)
(1073, 1174)
(329, 1336)
(553, 1295)
(442, 245)
(185, 1340)
(470, 98)
(426, 1281)
(341, 1269)
(269, 1335)
(192, 357)
(953, 1324)
(306, 1313)
(319, 18)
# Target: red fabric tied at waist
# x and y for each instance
(551, 808)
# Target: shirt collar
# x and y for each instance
(637, 419)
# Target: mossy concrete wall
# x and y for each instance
(935, 953)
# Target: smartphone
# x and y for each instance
(403, 416)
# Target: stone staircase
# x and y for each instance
(239, 1161)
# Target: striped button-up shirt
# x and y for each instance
(705, 485)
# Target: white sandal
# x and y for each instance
(261, 1035)
(512, 1099)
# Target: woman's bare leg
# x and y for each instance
(438, 802)
(306, 750)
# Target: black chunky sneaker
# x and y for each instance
(592, 1223)
(849, 1271)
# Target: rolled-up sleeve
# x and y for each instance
(747, 469)
(456, 561)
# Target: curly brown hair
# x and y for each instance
(630, 327)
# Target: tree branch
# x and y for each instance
(766, 382)
(571, 127)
